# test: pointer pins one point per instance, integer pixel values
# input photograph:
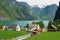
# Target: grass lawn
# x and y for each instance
(11, 34)
(46, 36)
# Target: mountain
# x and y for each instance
(57, 15)
(13, 10)
(36, 10)
(27, 11)
(46, 13)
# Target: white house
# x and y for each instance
(32, 27)
(4, 27)
(18, 28)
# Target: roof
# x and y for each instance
(54, 27)
(12, 25)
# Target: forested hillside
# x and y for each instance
(13, 10)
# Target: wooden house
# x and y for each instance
(52, 28)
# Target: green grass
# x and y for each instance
(46, 36)
(11, 34)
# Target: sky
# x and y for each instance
(40, 3)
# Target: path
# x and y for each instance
(22, 37)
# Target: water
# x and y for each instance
(22, 23)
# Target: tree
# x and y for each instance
(40, 24)
(33, 22)
(50, 22)
(57, 23)
(27, 26)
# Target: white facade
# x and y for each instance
(4, 27)
(26, 29)
(32, 27)
(18, 28)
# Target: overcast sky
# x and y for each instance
(40, 3)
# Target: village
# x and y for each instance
(33, 27)
(29, 29)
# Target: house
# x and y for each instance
(10, 27)
(13, 27)
(24, 28)
(35, 28)
(18, 28)
(52, 28)
(4, 27)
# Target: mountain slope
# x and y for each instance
(13, 10)
(49, 12)
(46, 13)
(57, 15)
(16, 10)
(36, 10)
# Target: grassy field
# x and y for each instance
(11, 34)
(46, 36)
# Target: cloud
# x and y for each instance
(40, 3)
